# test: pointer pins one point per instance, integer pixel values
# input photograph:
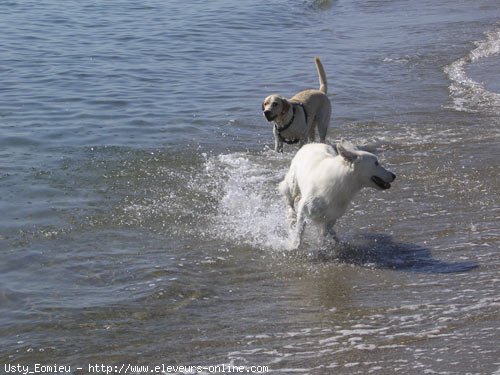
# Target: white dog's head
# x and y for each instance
(274, 106)
(366, 166)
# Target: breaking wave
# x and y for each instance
(467, 94)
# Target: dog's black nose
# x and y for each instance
(393, 176)
(269, 115)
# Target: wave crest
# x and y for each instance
(467, 94)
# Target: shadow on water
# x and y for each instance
(381, 251)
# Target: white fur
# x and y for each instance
(321, 183)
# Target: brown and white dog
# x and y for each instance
(296, 119)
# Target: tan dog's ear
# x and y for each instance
(286, 106)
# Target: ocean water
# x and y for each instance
(140, 219)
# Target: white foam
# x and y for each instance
(467, 94)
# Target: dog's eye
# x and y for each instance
(274, 104)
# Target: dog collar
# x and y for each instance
(282, 129)
(289, 122)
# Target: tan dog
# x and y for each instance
(295, 119)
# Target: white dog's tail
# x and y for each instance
(322, 76)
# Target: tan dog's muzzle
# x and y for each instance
(269, 115)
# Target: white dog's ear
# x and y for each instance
(347, 150)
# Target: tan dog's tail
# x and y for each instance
(322, 76)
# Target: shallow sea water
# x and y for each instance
(141, 222)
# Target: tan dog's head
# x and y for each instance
(274, 106)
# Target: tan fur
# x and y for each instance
(322, 76)
(279, 110)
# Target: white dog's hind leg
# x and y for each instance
(292, 217)
(300, 225)
(292, 213)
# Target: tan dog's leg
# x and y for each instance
(278, 144)
(312, 133)
(323, 122)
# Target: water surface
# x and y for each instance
(141, 222)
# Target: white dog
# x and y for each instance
(295, 119)
(321, 182)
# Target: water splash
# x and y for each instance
(250, 209)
